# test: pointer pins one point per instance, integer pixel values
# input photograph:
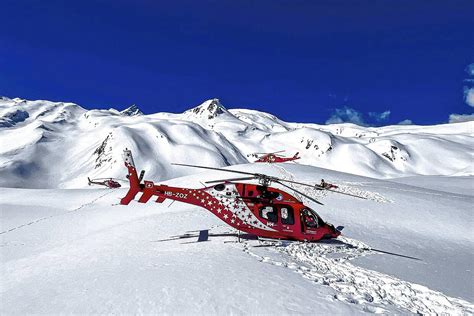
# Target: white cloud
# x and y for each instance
(469, 96)
(406, 122)
(470, 69)
(380, 116)
(458, 118)
(346, 115)
(350, 115)
(469, 86)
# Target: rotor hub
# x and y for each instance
(265, 180)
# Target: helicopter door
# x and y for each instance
(287, 215)
(269, 213)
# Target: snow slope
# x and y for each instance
(453, 184)
(407, 248)
(57, 145)
(78, 251)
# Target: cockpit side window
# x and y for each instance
(269, 213)
(287, 215)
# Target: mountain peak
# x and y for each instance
(132, 110)
(209, 109)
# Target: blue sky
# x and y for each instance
(370, 62)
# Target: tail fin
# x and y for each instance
(132, 177)
(296, 155)
(142, 174)
(89, 179)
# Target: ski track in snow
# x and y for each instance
(369, 195)
(433, 193)
(329, 264)
(56, 215)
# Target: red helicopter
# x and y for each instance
(108, 182)
(260, 210)
(274, 158)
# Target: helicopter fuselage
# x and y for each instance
(272, 158)
(108, 183)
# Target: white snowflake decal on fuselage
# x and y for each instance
(230, 199)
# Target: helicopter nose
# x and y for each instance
(334, 232)
(329, 232)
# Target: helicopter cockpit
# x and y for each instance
(310, 219)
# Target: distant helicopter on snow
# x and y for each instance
(256, 209)
(108, 182)
(274, 158)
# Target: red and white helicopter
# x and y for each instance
(108, 182)
(260, 210)
(273, 157)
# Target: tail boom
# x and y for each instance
(132, 176)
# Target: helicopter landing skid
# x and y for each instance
(204, 236)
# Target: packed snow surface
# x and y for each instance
(79, 251)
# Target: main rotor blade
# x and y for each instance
(232, 179)
(318, 187)
(357, 196)
(212, 168)
(299, 192)
(257, 175)
(272, 178)
(275, 152)
(116, 179)
(314, 186)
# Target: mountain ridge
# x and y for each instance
(90, 142)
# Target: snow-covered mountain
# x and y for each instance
(54, 144)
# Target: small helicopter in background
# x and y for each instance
(274, 157)
(108, 182)
(256, 209)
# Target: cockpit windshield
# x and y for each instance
(312, 212)
(310, 218)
